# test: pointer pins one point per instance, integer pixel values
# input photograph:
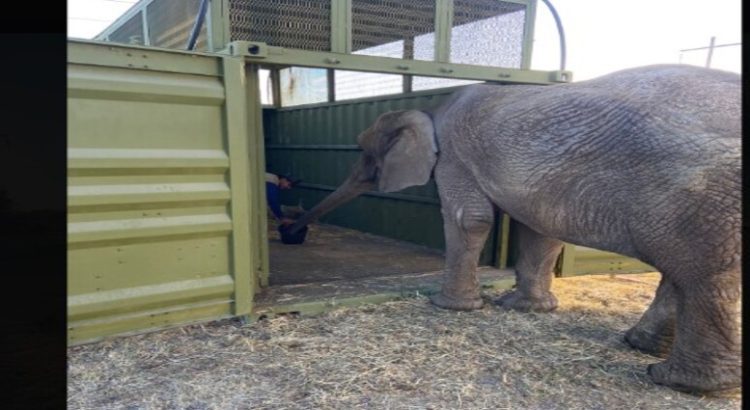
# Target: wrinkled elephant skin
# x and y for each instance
(644, 162)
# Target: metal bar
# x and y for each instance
(331, 84)
(244, 253)
(407, 83)
(146, 32)
(443, 27)
(398, 197)
(220, 29)
(142, 58)
(406, 80)
(710, 52)
(197, 25)
(311, 147)
(276, 87)
(431, 92)
(265, 54)
(528, 35)
(560, 33)
(341, 29)
(258, 179)
(209, 30)
(715, 46)
(495, 235)
(504, 234)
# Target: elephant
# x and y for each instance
(644, 162)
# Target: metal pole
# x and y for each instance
(710, 52)
(146, 33)
(197, 26)
(560, 33)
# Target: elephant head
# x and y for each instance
(398, 151)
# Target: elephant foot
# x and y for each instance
(698, 380)
(517, 301)
(447, 302)
(657, 345)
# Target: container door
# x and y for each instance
(162, 189)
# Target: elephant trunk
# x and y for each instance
(349, 189)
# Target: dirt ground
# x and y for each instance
(406, 354)
(333, 253)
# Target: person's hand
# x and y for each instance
(287, 221)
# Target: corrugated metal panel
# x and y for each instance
(318, 144)
(151, 233)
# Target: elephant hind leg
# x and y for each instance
(467, 219)
(706, 356)
(534, 272)
(654, 332)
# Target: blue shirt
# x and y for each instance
(272, 196)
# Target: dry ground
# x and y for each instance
(400, 355)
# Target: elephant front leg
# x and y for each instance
(654, 332)
(466, 222)
(534, 272)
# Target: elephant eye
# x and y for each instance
(370, 167)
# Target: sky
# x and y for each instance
(602, 35)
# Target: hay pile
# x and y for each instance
(400, 355)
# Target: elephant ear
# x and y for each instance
(410, 152)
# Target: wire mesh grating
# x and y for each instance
(170, 23)
(131, 32)
(300, 24)
(378, 22)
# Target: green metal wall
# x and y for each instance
(162, 197)
(318, 144)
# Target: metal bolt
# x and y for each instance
(402, 67)
(446, 70)
(331, 60)
(504, 75)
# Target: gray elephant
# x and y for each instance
(644, 162)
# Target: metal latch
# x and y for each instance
(255, 49)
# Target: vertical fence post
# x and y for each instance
(443, 27)
(528, 35)
(710, 52)
(241, 173)
(503, 241)
(257, 157)
(220, 26)
(146, 33)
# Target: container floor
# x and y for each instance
(332, 253)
